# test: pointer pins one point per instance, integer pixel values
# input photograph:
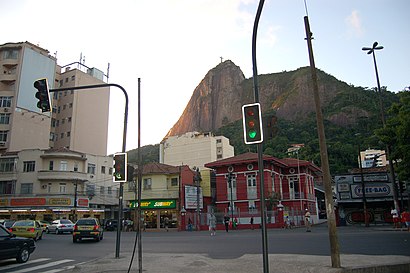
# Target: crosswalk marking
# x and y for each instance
(11, 266)
(42, 266)
(68, 267)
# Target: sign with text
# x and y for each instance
(155, 204)
(192, 196)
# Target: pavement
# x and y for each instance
(281, 263)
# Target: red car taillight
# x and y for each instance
(75, 227)
(96, 227)
(30, 230)
(62, 226)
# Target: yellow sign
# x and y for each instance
(4, 202)
(59, 201)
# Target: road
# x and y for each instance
(57, 253)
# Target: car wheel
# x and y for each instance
(23, 255)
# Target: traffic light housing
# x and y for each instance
(43, 95)
(252, 123)
(120, 167)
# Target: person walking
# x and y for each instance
(226, 220)
(307, 220)
(405, 216)
(252, 222)
(212, 224)
(166, 223)
(396, 218)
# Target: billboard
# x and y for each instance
(191, 197)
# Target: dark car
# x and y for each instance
(8, 224)
(12, 246)
(88, 228)
(111, 225)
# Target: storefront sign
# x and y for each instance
(379, 190)
(4, 202)
(83, 202)
(23, 202)
(59, 201)
(155, 204)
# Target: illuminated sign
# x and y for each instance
(155, 204)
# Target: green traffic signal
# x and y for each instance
(252, 123)
(120, 167)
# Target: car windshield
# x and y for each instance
(89, 222)
(23, 223)
(66, 222)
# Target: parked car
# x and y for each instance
(88, 228)
(28, 229)
(7, 224)
(60, 226)
(12, 246)
(44, 224)
(111, 225)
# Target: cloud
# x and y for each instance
(354, 24)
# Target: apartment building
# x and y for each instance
(79, 118)
(56, 183)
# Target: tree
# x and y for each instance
(397, 134)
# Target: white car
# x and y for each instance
(60, 226)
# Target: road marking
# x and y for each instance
(28, 262)
(43, 266)
(69, 267)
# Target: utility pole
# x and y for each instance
(366, 220)
(330, 209)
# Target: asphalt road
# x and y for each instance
(60, 253)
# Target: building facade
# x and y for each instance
(56, 183)
(289, 184)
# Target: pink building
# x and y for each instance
(288, 186)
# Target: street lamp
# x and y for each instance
(371, 50)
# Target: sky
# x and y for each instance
(171, 45)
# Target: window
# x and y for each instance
(63, 188)
(59, 109)
(109, 190)
(29, 166)
(76, 167)
(91, 168)
(70, 105)
(7, 187)
(26, 188)
(63, 165)
(7, 165)
(73, 77)
(63, 121)
(174, 181)
(52, 136)
(61, 84)
(102, 169)
(5, 101)
(102, 189)
(51, 165)
(61, 135)
(4, 118)
(110, 171)
(64, 106)
(69, 119)
(219, 140)
(90, 189)
(68, 134)
(3, 136)
(251, 186)
(53, 121)
(147, 184)
(10, 54)
(65, 93)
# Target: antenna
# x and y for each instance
(108, 71)
(306, 8)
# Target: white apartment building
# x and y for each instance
(56, 183)
(79, 118)
(372, 157)
(194, 149)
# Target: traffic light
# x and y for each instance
(120, 167)
(252, 123)
(43, 95)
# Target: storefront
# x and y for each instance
(156, 212)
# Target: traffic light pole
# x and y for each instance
(124, 141)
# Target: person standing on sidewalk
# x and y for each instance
(396, 218)
(226, 220)
(307, 220)
(252, 222)
(212, 224)
(405, 217)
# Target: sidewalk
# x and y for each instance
(281, 263)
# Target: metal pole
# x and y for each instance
(327, 179)
(230, 186)
(139, 212)
(124, 141)
(366, 220)
(260, 145)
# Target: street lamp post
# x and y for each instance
(371, 50)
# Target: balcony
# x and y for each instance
(61, 176)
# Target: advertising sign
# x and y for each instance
(155, 204)
(191, 198)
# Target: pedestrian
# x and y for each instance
(252, 222)
(405, 217)
(396, 218)
(189, 224)
(235, 223)
(166, 223)
(307, 220)
(212, 224)
(287, 223)
(226, 220)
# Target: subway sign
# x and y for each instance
(155, 204)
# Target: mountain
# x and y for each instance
(351, 114)
(218, 98)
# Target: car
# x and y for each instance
(7, 224)
(111, 225)
(88, 228)
(28, 229)
(12, 246)
(60, 226)
(44, 224)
